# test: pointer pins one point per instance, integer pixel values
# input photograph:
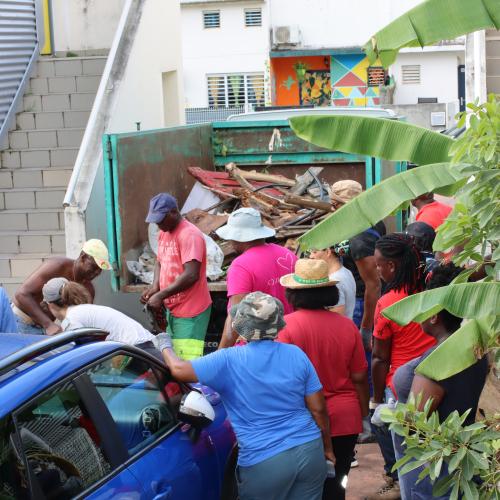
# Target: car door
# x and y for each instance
(170, 459)
(61, 455)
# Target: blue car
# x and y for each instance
(82, 418)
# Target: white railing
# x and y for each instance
(90, 152)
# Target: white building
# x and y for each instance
(297, 52)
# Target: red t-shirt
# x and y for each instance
(333, 344)
(184, 244)
(408, 342)
(433, 214)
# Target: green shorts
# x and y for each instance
(188, 334)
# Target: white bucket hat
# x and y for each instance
(245, 224)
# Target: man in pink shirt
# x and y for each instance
(259, 266)
(180, 282)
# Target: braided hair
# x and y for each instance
(409, 273)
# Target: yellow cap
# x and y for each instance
(98, 250)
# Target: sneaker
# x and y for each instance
(389, 491)
(354, 462)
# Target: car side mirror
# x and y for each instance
(196, 410)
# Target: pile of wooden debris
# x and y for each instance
(290, 206)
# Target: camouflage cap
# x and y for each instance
(258, 317)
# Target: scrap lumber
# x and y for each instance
(305, 180)
(205, 222)
(303, 202)
(259, 176)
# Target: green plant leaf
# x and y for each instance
(466, 300)
(378, 202)
(431, 22)
(456, 459)
(458, 352)
(380, 137)
(442, 486)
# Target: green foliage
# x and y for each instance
(373, 205)
(430, 22)
(474, 224)
(379, 137)
(469, 452)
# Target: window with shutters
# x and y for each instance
(376, 76)
(253, 17)
(211, 19)
(231, 90)
(410, 74)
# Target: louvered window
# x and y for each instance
(18, 41)
(410, 74)
(211, 19)
(235, 90)
(253, 17)
(376, 76)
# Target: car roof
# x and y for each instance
(12, 342)
(285, 114)
(31, 363)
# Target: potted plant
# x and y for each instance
(300, 70)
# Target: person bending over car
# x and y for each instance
(274, 400)
(70, 303)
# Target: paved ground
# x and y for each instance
(367, 478)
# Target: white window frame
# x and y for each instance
(226, 77)
(206, 13)
(252, 11)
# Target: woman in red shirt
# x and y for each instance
(334, 346)
(401, 267)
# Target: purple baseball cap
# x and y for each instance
(159, 206)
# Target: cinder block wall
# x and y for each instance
(37, 161)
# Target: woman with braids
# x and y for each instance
(401, 267)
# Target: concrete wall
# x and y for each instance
(232, 48)
(86, 26)
(327, 23)
(438, 75)
(151, 90)
(420, 114)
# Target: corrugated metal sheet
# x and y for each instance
(18, 43)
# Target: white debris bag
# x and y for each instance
(215, 257)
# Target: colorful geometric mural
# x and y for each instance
(349, 81)
(338, 80)
(315, 88)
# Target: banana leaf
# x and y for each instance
(430, 22)
(381, 200)
(465, 300)
(380, 137)
(461, 350)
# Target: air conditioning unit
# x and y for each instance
(286, 35)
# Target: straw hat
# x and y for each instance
(345, 190)
(309, 273)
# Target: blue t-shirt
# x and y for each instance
(263, 385)
(7, 319)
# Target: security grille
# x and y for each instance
(211, 19)
(18, 43)
(253, 17)
(235, 90)
(376, 76)
(207, 115)
(410, 73)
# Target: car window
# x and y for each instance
(61, 444)
(131, 390)
(13, 476)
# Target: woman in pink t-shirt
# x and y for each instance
(259, 266)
